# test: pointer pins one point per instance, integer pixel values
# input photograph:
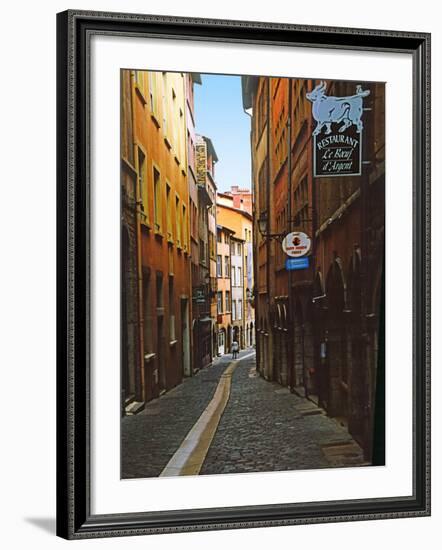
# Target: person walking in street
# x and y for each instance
(235, 349)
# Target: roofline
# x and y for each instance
(224, 228)
(210, 147)
(243, 212)
(238, 238)
(249, 85)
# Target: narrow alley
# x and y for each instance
(263, 427)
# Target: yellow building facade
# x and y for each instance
(240, 223)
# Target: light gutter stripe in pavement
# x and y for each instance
(190, 456)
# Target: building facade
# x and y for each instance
(242, 198)
(198, 201)
(240, 223)
(318, 327)
(206, 158)
(159, 138)
(131, 355)
(237, 278)
(224, 290)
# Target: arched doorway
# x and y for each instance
(337, 361)
(214, 342)
(236, 335)
(222, 342)
(279, 361)
(298, 333)
(357, 369)
(319, 380)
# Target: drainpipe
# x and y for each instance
(291, 318)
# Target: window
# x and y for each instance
(239, 276)
(153, 96)
(159, 290)
(226, 266)
(140, 81)
(202, 252)
(239, 309)
(178, 221)
(262, 110)
(227, 301)
(184, 222)
(175, 125)
(157, 199)
(147, 314)
(233, 310)
(233, 276)
(142, 181)
(219, 302)
(165, 104)
(219, 237)
(238, 249)
(219, 268)
(169, 212)
(262, 185)
(212, 247)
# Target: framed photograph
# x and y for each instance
(243, 274)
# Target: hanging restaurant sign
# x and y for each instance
(337, 137)
(296, 244)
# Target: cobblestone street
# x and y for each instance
(264, 427)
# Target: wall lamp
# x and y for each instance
(263, 226)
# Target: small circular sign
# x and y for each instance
(296, 244)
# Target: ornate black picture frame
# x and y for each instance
(74, 32)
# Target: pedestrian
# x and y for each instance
(235, 349)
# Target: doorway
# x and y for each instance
(185, 334)
(221, 342)
(160, 354)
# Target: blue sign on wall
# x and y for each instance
(292, 264)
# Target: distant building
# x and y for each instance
(242, 198)
(199, 200)
(240, 222)
(237, 280)
(206, 158)
(224, 289)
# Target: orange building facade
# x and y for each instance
(163, 211)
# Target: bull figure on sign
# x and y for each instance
(328, 109)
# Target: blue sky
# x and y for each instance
(219, 115)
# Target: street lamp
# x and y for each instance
(263, 226)
(263, 222)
